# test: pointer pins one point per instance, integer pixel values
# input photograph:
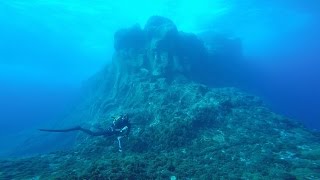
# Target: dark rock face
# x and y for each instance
(132, 38)
(227, 63)
(222, 45)
(182, 129)
(162, 34)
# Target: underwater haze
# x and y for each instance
(48, 48)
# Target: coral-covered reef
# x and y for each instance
(183, 129)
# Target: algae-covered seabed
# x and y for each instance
(183, 129)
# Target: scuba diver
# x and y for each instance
(120, 127)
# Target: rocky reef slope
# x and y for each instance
(183, 128)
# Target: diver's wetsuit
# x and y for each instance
(120, 127)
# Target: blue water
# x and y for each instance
(47, 48)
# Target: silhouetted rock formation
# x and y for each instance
(159, 50)
(181, 128)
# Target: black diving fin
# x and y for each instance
(77, 128)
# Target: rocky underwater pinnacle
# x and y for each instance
(182, 127)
